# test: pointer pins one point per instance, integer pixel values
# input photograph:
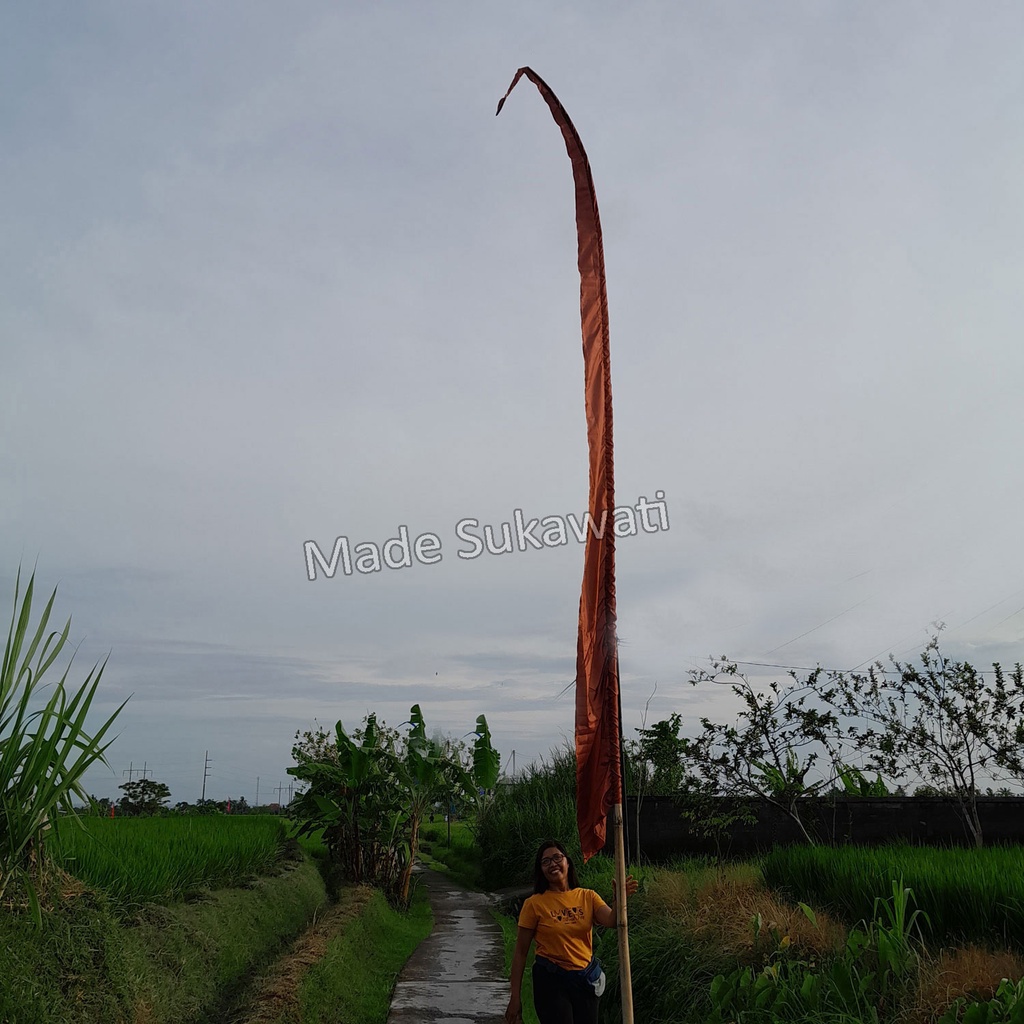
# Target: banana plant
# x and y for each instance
(369, 797)
(856, 783)
(425, 776)
(434, 772)
(785, 782)
(352, 799)
(486, 760)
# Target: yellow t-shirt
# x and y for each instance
(562, 923)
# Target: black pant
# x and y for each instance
(560, 998)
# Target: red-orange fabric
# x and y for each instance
(598, 730)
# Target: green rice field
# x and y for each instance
(166, 859)
(968, 894)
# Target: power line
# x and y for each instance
(1007, 619)
(819, 626)
(989, 608)
(788, 668)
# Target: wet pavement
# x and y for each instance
(457, 974)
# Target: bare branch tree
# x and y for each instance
(940, 721)
(778, 736)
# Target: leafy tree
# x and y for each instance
(143, 797)
(97, 806)
(665, 751)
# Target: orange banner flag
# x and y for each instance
(598, 729)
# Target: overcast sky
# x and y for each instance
(276, 273)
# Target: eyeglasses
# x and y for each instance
(556, 858)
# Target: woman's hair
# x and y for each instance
(540, 882)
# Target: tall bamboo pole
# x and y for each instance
(622, 929)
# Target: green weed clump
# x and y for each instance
(137, 860)
(869, 981)
(968, 895)
(1005, 1007)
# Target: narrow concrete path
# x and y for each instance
(457, 974)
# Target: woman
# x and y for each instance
(560, 917)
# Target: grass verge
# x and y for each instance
(354, 980)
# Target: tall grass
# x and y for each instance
(974, 895)
(166, 859)
(671, 972)
(539, 805)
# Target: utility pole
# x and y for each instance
(257, 791)
(206, 772)
(129, 771)
(144, 764)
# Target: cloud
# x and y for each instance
(284, 277)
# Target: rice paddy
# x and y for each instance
(166, 859)
(967, 894)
